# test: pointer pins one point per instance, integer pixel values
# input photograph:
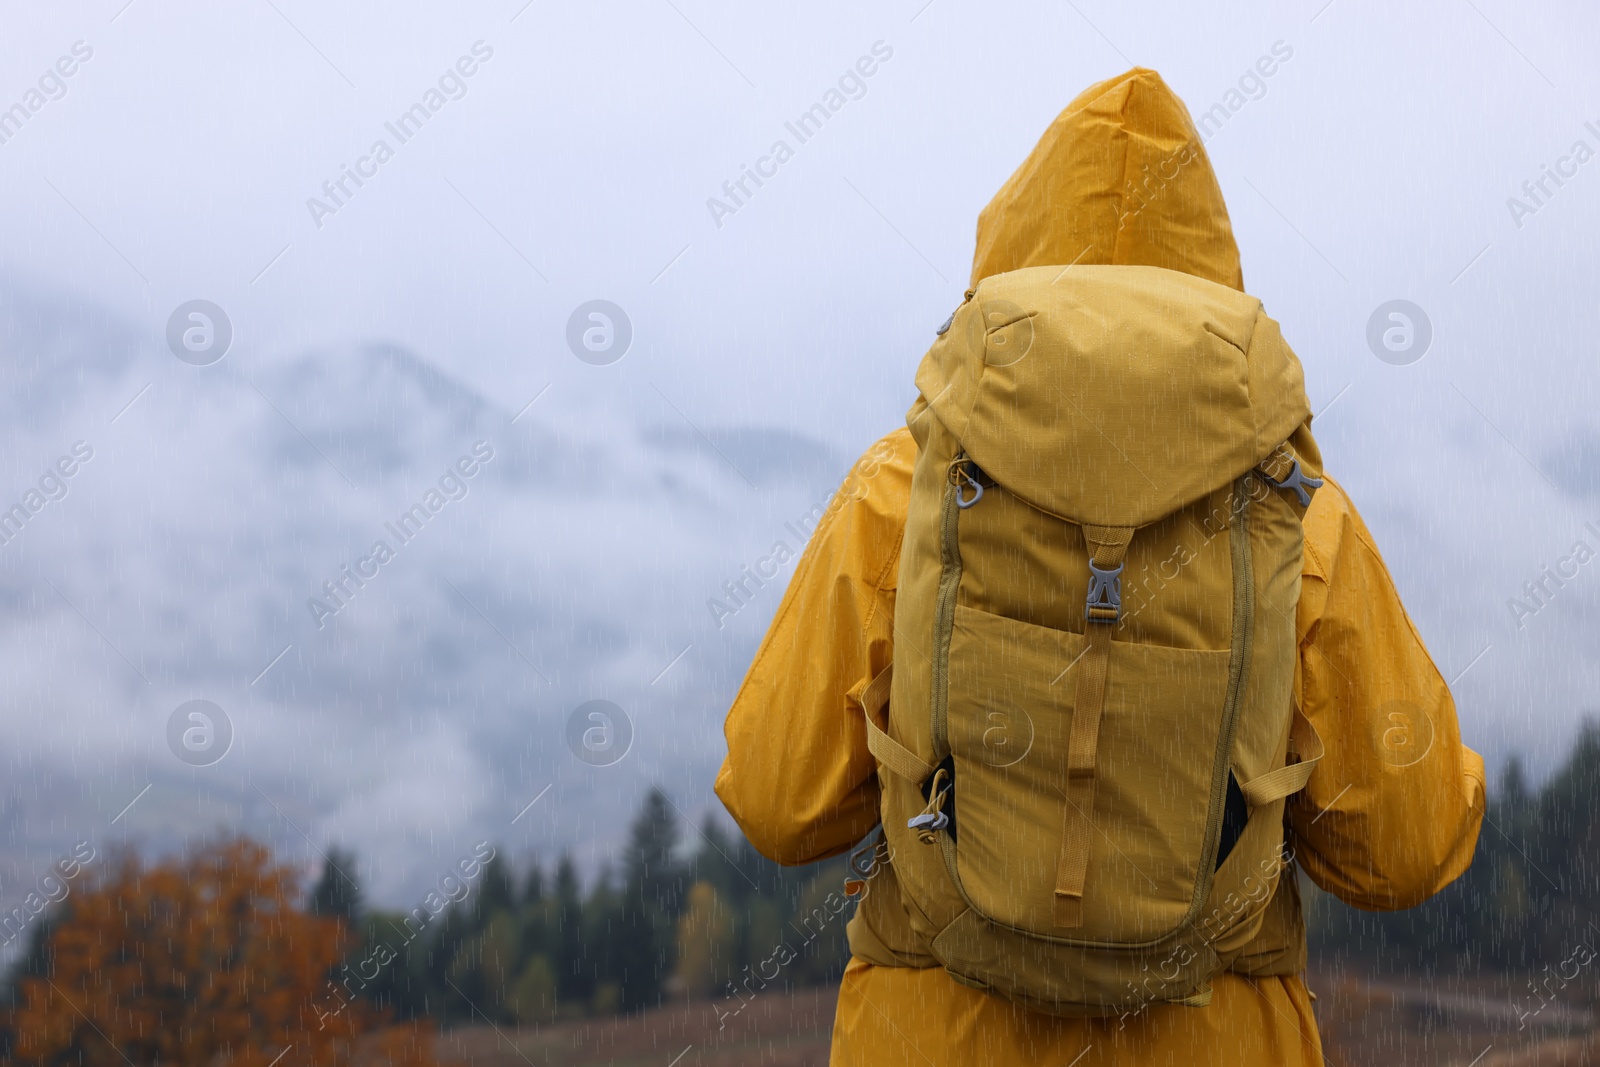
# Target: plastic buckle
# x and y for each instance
(1297, 480)
(937, 820)
(1105, 594)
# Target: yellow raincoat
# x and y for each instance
(1391, 814)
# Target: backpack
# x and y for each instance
(1091, 729)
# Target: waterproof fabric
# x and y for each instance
(1177, 386)
(1115, 414)
(1119, 177)
(1391, 814)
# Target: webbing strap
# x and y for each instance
(1278, 465)
(885, 749)
(875, 697)
(1108, 545)
(1305, 744)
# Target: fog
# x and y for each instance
(389, 332)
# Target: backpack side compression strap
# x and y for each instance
(1108, 545)
(885, 749)
(1305, 749)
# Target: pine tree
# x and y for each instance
(574, 982)
(602, 955)
(533, 888)
(651, 871)
(651, 899)
(336, 893)
(714, 863)
(494, 892)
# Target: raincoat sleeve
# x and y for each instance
(798, 778)
(1392, 813)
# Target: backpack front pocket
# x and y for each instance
(1011, 691)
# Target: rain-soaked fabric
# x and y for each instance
(1390, 816)
(1119, 177)
(1115, 409)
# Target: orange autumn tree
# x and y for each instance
(194, 961)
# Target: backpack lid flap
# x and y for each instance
(1113, 395)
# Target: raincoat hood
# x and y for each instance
(800, 775)
(1119, 178)
(1107, 366)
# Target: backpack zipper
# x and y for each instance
(945, 609)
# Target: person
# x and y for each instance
(1391, 813)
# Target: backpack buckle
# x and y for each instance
(1104, 603)
(1297, 480)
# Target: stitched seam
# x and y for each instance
(883, 575)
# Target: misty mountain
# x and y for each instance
(426, 704)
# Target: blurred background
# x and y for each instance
(241, 345)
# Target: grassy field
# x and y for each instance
(1449, 1023)
(774, 1030)
(1364, 1024)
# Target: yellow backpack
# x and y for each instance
(1090, 730)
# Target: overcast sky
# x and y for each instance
(379, 337)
